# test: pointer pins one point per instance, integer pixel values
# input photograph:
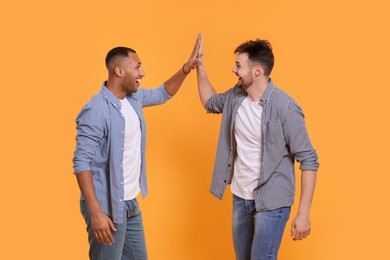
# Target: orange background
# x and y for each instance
(331, 56)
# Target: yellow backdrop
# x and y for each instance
(331, 56)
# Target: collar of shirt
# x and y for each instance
(110, 97)
(268, 92)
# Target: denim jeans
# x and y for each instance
(129, 238)
(257, 234)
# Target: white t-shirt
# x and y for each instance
(131, 151)
(247, 165)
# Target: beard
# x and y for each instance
(246, 83)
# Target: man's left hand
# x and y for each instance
(300, 227)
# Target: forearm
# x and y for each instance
(206, 90)
(308, 182)
(173, 84)
(85, 181)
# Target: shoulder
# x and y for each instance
(281, 100)
(283, 105)
(233, 92)
(227, 96)
(96, 107)
(236, 91)
(143, 92)
(281, 97)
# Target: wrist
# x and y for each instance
(305, 214)
(184, 70)
(95, 213)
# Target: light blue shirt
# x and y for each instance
(100, 141)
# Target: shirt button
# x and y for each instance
(123, 132)
(120, 199)
(121, 165)
(122, 148)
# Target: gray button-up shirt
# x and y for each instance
(100, 139)
(285, 139)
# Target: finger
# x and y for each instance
(196, 48)
(200, 46)
(110, 238)
(112, 226)
(293, 230)
(297, 236)
(102, 238)
(302, 235)
(97, 236)
(107, 237)
(197, 42)
(200, 50)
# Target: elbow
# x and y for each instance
(309, 162)
(206, 104)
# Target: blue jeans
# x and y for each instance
(129, 238)
(257, 234)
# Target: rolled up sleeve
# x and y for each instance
(154, 96)
(90, 132)
(216, 103)
(297, 138)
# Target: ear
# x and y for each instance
(259, 70)
(118, 71)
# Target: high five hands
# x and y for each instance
(196, 57)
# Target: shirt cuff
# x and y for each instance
(81, 168)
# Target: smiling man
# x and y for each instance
(109, 160)
(262, 134)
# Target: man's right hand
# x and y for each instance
(101, 223)
(102, 226)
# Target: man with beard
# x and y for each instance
(109, 160)
(262, 133)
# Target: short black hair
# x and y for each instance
(118, 51)
(259, 51)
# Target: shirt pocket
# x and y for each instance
(274, 133)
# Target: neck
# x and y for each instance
(115, 89)
(257, 89)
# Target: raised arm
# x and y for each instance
(172, 85)
(206, 90)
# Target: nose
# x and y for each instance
(234, 70)
(142, 72)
